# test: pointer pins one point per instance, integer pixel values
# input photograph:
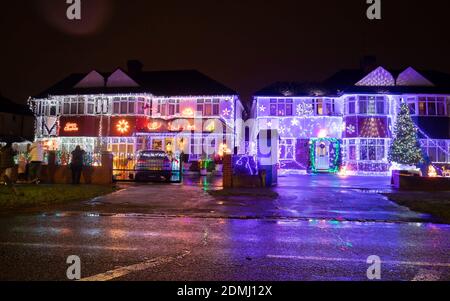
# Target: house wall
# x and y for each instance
(16, 125)
(366, 133)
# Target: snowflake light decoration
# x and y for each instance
(295, 122)
(305, 109)
(351, 129)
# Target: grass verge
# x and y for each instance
(45, 195)
(434, 203)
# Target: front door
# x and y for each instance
(323, 156)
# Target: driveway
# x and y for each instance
(300, 197)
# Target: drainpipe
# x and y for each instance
(234, 125)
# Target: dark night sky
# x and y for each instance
(245, 44)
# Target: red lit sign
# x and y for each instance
(71, 127)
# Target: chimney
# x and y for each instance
(134, 67)
(368, 63)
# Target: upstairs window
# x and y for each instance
(124, 105)
(90, 106)
(161, 107)
(318, 106)
(372, 105)
(411, 101)
(428, 106)
(102, 106)
(351, 106)
(73, 106)
(174, 107)
(330, 107)
(281, 107)
(208, 107)
(141, 106)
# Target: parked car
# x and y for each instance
(153, 166)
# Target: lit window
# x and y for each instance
(372, 149)
(281, 107)
(351, 105)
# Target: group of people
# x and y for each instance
(29, 164)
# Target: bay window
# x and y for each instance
(372, 149)
(287, 149)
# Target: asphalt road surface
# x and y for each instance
(154, 246)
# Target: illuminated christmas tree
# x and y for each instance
(405, 148)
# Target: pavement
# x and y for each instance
(319, 228)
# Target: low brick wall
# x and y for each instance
(63, 175)
(243, 181)
(416, 183)
(99, 175)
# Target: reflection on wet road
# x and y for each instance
(315, 230)
(36, 247)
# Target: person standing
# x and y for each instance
(22, 168)
(77, 164)
(7, 163)
(36, 152)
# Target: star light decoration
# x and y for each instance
(123, 126)
(262, 108)
(226, 112)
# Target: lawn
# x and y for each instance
(46, 195)
(434, 203)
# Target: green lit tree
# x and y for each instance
(405, 148)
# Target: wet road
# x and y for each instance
(208, 246)
(36, 248)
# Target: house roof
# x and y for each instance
(348, 81)
(296, 89)
(158, 83)
(8, 106)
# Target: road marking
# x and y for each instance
(123, 271)
(42, 245)
(314, 258)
